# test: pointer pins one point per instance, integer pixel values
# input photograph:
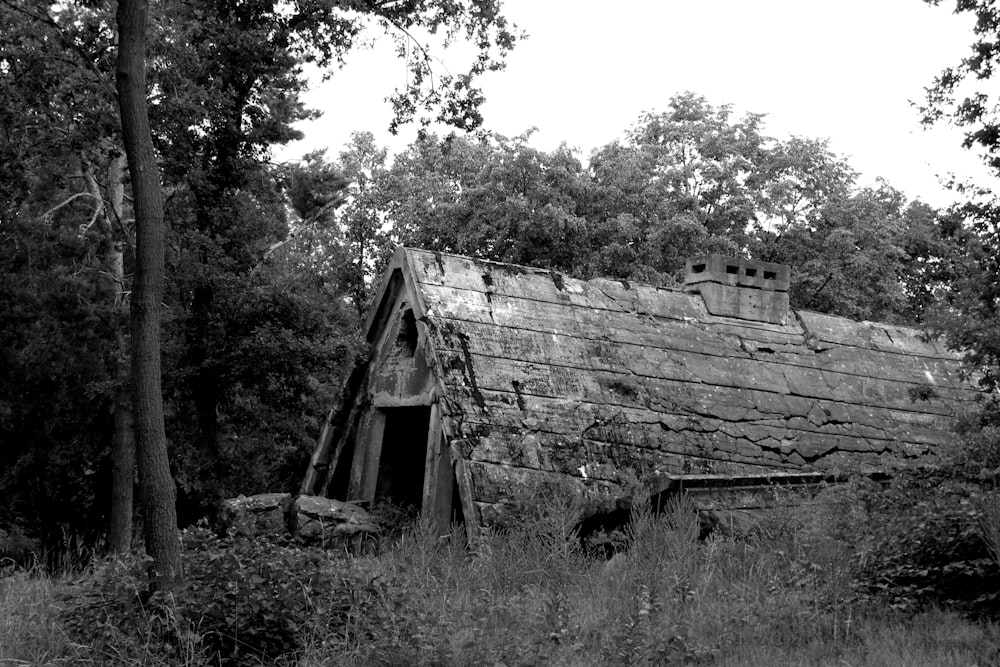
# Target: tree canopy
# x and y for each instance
(253, 338)
(686, 181)
(970, 315)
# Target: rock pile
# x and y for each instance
(314, 520)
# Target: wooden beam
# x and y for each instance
(367, 452)
(464, 480)
(318, 472)
(350, 428)
(438, 475)
(386, 400)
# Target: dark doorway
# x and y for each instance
(341, 478)
(403, 458)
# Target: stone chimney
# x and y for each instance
(739, 287)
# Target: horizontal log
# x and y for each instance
(874, 335)
(500, 280)
(673, 353)
(619, 451)
(580, 418)
(510, 485)
(644, 387)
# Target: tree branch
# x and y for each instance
(426, 56)
(49, 213)
(815, 294)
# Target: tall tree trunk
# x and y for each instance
(123, 435)
(155, 483)
(123, 443)
(122, 464)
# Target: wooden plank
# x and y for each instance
(577, 417)
(646, 389)
(540, 285)
(498, 280)
(691, 407)
(498, 483)
(675, 357)
(319, 463)
(504, 328)
(432, 465)
(367, 452)
(612, 448)
(883, 425)
(434, 269)
(617, 462)
(873, 335)
(538, 431)
(500, 487)
(466, 491)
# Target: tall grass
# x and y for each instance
(776, 593)
(29, 630)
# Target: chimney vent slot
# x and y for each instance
(737, 287)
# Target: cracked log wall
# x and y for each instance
(611, 384)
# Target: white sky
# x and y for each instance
(846, 70)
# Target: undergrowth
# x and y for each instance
(784, 587)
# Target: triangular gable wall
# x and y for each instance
(385, 439)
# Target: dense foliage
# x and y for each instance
(244, 601)
(941, 542)
(962, 95)
(255, 337)
(686, 181)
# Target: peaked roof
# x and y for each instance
(613, 383)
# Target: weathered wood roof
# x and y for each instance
(613, 384)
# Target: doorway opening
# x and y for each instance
(402, 459)
(340, 478)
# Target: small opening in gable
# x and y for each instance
(770, 275)
(407, 337)
(732, 269)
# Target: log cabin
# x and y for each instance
(488, 382)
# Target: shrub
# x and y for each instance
(16, 548)
(930, 548)
(244, 601)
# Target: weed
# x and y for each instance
(779, 591)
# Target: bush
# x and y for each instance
(244, 601)
(930, 549)
(16, 548)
